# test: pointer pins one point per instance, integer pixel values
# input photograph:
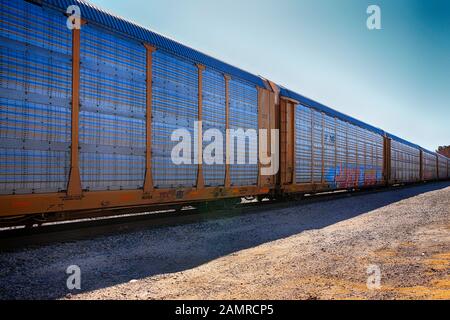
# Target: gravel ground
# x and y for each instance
(310, 251)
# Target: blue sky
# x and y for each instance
(397, 78)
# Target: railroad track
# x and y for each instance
(20, 237)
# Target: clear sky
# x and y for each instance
(397, 78)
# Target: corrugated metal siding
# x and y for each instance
(213, 117)
(374, 157)
(352, 175)
(94, 14)
(35, 89)
(442, 166)
(317, 146)
(243, 115)
(303, 146)
(351, 156)
(429, 166)
(112, 111)
(405, 162)
(175, 106)
(341, 156)
(329, 139)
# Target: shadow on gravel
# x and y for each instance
(40, 273)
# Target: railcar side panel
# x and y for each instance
(112, 110)
(35, 93)
(429, 166)
(244, 117)
(405, 163)
(213, 118)
(442, 167)
(175, 107)
(332, 153)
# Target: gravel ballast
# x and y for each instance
(322, 250)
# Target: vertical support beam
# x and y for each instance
(357, 156)
(323, 148)
(312, 145)
(335, 149)
(227, 135)
(421, 165)
(346, 154)
(74, 185)
(261, 124)
(148, 182)
(387, 160)
(200, 179)
(294, 144)
(437, 167)
(365, 160)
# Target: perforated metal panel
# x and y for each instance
(175, 106)
(429, 166)
(373, 150)
(112, 111)
(35, 93)
(405, 162)
(303, 146)
(335, 152)
(213, 116)
(329, 149)
(442, 167)
(341, 153)
(317, 146)
(243, 115)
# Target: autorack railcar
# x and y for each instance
(87, 116)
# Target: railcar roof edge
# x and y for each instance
(394, 137)
(327, 110)
(93, 14)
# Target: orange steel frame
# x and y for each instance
(77, 200)
(148, 180)
(74, 185)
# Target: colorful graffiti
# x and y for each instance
(351, 176)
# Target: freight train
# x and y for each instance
(87, 112)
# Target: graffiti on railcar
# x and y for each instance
(350, 176)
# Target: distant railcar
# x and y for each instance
(442, 167)
(429, 166)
